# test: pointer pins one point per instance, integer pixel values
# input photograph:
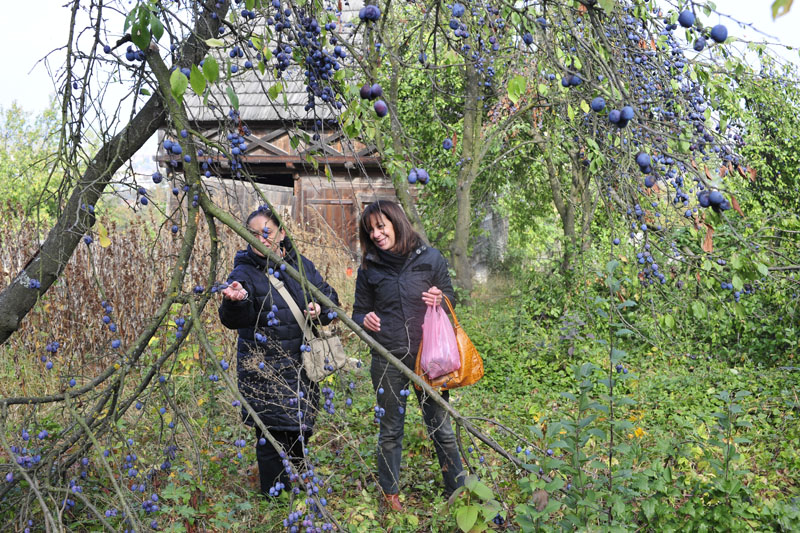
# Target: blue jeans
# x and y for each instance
(390, 437)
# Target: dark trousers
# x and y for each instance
(390, 437)
(270, 464)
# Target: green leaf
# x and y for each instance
(607, 5)
(624, 332)
(585, 107)
(197, 80)
(215, 43)
(178, 84)
(669, 322)
(156, 28)
(274, 91)
(140, 36)
(516, 88)
(622, 449)
(129, 18)
(543, 89)
(597, 433)
(699, 309)
(737, 282)
(762, 269)
(557, 484)
(211, 69)
(780, 8)
(482, 491)
(570, 111)
(466, 517)
(232, 97)
(554, 504)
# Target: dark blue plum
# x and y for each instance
(598, 104)
(719, 33)
(686, 19)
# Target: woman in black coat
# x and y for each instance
(399, 278)
(269, 361)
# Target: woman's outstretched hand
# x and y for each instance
(432, 296)
(372, 322)
(234, 292)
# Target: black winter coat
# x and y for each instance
(396, 297)
(270, 373)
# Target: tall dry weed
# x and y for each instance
(131, 274)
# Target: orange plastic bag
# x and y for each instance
(471, 370)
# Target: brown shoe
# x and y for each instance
(392, 503)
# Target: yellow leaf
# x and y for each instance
(102, 234)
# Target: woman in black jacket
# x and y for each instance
(269, 362)
(399, 277)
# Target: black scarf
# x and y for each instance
(395, 262)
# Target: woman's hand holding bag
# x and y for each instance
(439, 354)
(471, 368)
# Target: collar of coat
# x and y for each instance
(262, 263)
(373, 258)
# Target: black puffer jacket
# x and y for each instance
(396, 297)
(270, 374)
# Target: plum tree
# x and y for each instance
(486, 78)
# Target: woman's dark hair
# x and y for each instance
(263, 211)
(406, 239)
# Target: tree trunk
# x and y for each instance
(50, 259)
(565, 208)
(470, 150)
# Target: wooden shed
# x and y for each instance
(303, 164)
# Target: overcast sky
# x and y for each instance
(26, 38)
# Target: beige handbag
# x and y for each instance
(327, 353)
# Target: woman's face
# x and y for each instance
(261, 226)
(382, 232)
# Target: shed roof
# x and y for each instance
(252, 87)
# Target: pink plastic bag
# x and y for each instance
(439, 348)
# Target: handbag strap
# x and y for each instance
(452, 312)
(295, 309)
